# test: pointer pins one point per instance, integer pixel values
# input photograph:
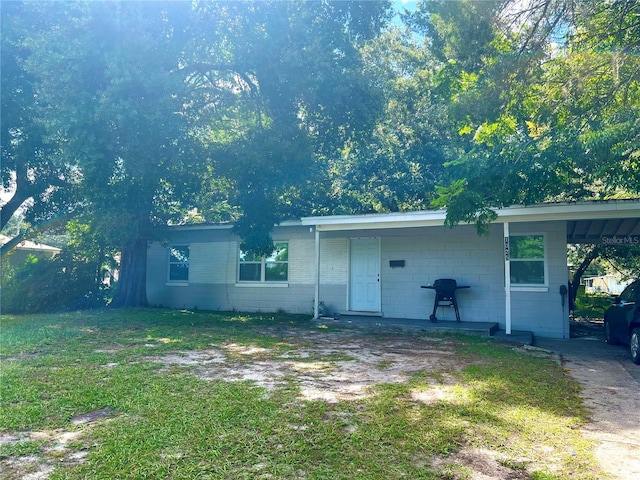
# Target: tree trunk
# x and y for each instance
(577, 276)
(132, 283)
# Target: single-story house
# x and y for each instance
(376, 264)
(25, 248)
(604, 284)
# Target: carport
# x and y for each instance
(609, 231)
(613, 222)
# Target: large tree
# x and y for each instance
(106, 77)
(543, 102)
(35, 175)
(152, 99)
(396, 164)
(305, 94)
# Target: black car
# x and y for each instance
(622, 320)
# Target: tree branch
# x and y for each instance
(205, 69)
(595, 252)
(22, 193)
(15, 241)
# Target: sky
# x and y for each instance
(402, 5)
(408, 4)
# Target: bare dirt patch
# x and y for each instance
(344, 366)
(481, 464)
(51, 448)
(335, 367)
(329, 367)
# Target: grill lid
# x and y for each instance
(445, 284)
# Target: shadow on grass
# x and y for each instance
(176, 425)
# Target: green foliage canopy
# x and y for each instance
(543, 103)
(147, 102)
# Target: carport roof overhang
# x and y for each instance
(587, 222)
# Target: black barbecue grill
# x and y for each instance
(445, 289)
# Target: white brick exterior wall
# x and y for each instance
(302, 263)
(428, 254)
(334, 261)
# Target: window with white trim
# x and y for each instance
(273, 268)
(527, 255)
(179, 263)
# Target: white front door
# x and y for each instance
(364, 278)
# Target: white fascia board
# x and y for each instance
(229, 226)
(570, 211)
(515, 214)
(217, 226)
(428, 218)
(435, 218)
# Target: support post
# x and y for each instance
(316, 303)
(507, 280)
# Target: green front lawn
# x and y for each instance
(169, 420)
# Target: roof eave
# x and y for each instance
(515, 214)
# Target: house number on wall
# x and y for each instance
(506, 249)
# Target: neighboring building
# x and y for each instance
(376, 265)
(20, 253)
(604, 284)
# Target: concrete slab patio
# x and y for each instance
(371, 323)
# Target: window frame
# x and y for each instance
(263, 262)
(171, 262)
(543, 260)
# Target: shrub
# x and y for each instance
(49, 285)
(591, 305)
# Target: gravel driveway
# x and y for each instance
(611, 389)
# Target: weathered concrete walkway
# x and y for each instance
(611, 390)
